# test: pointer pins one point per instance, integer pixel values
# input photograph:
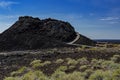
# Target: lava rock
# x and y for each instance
(34, 33)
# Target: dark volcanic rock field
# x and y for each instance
(11, 61)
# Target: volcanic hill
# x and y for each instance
(33, 33)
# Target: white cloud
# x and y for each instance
(113, 22)
(6, 4)
(110, 18)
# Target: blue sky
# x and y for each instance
(96, 19)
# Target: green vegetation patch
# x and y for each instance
(70, 69)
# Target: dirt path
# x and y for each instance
(77, 37)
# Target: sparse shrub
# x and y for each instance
(116, 58)
(29, 76)
(78, 49)
(35, 62)
(94, 48)
(96, 64)
(67, 59)
(87, 73)
(19, 72)
(83, 61)
(118, 46)
(62, 68)
(108, 75)
(95, 67)
(58, 75)
(40, 75)
(64, 76)
(83, 68)
(35, 66)
(98, 75)
(100, 61)
(84, 47)
(51, 51)
(72, 62)
(11, 78)
(74, 76)
(106, 64)
(34, 75)
(59, 61)
(101, 75)
(116, 74)
(94, 61)
(46, 63)
(71, 67)
(110, 65)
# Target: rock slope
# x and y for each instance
(33, 33)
